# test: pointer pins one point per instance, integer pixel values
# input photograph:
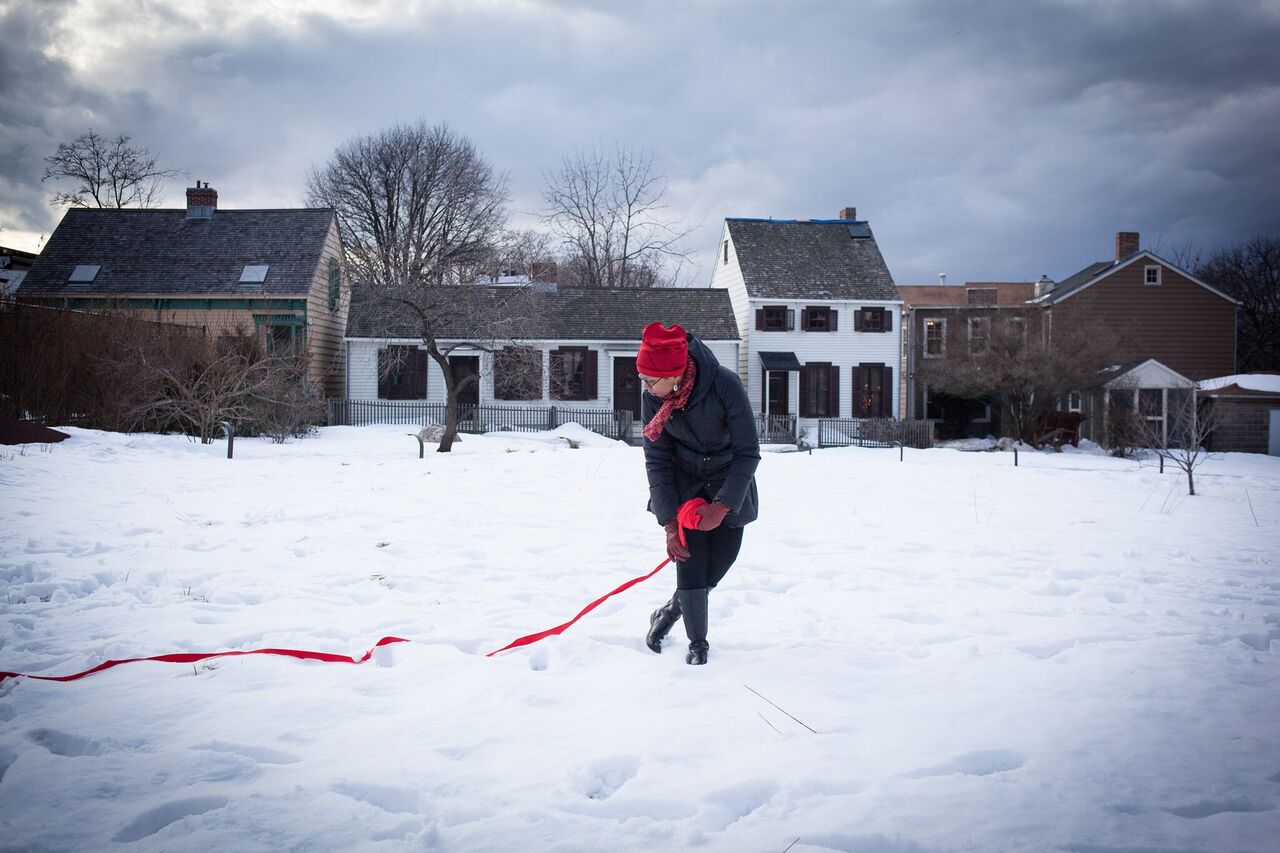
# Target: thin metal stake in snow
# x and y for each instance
(806, 725)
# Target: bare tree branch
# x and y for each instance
(106, 173)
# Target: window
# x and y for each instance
(573, 373)
(872, 320)
(286, 341)
(726, 251)
(872, 390)
(935, 337)
(775, 318)
(254, 274)
(1151, 403)
(1074, 402)
(517, 374)
(1018, 329)
(1151, 275)
(979, 335)
(84, 273)
(819, 390)
(335, 284)
(402, 373)
(818, 319)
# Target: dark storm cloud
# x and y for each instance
(986, 140)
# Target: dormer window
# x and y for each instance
(1151, 275)
(254, 274)
(84, 273)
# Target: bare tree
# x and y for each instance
(1027, 359)
(106, 173)
(416, 204)
(457, 321)
(1250, 272)
(1180, 434)
(608, 212)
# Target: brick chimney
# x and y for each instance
(202, 201)
(1126, 244)
(543, 271)
(848, 213)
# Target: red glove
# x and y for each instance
(675, 550)
(710, 516)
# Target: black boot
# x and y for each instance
(660, 623)
(693, 606)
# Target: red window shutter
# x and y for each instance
(791, 320)
(384, 374)
(592, 379)
(833, 392)
(760, 319)
(886, 392)
(804, 319)
(832, 322)
(805, 411)
(857, 319)
(856, 402)
(888, 320)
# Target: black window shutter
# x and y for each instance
(857, 319)
(423, 365)
(384, 374)
(592, 379)
(886, 392)
(760, 319)
(888, 320)
(791, 320)
(804, 319)
(764, 390)
(805, 410)
(833, 392)
(856, 401)
(557, 375)
(831, 324)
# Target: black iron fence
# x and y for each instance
(874, 432)
(776, 429)
(481, 419)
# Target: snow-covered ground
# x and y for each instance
(945, 653)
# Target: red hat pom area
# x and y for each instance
(663, 351)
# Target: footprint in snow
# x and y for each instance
(982, 763)
(74, 746)
(260, 754)
(7, 757)
(1208, 808)
(602, 778)
(153, 820)
(389, 798)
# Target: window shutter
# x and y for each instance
(764, 391)
(805, 411)
(857, 319)
(832, 322)
(791, 319)
(760, 319)
(591, 381)
(888, 320)
(423, 365)
(886, 392)
(804, 319)
(384, 374)
(557, 374)
(833, 392)
(856, 402)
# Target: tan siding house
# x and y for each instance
(275, 273)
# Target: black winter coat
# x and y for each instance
(709, 447)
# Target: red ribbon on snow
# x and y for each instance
(687, 516)
(199, 656)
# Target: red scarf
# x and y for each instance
(675, 400)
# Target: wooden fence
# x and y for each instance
(874, 432)
(776, 429)
(480, 419)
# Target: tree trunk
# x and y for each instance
(1191, 483)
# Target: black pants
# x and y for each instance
(711, 556)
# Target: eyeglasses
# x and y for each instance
(649, 383)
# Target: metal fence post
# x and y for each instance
(230, 430)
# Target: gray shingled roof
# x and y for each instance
(574, 313)
(161, 251)
(817, 259)
(1074, 282)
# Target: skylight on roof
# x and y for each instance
(84, 273)
(254, 274)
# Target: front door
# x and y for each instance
(462, 367)
(777, 401)
(626, 386)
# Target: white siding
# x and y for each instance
(844, 348)
(362, 370)
(729, 276)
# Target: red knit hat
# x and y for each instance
(663, 351)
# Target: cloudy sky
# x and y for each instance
(987, 140)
